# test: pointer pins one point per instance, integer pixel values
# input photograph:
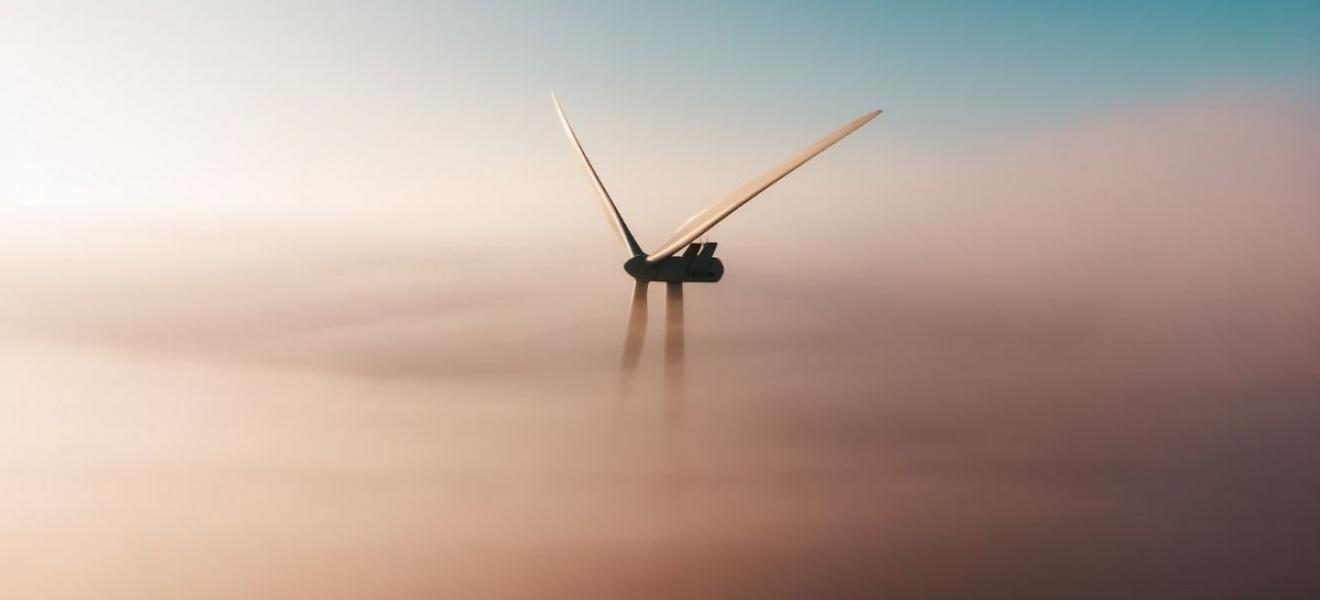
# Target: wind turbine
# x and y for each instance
(697, 263)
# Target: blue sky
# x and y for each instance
(123, 104)
(945, 66)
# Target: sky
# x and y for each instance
(314, 300)
(215, 109)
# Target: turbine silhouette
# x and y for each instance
(697, 263)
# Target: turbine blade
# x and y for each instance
(632, 344)
(674, 350)
(607, 203)
(712, 215)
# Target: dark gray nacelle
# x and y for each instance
(697, 264)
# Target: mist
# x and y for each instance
(1078, 363)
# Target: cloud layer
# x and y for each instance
(1081, 364)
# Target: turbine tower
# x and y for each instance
(697, 263)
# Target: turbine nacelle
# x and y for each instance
(697, 264)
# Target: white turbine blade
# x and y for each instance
(704, 220)
(636, 332)
(607, 203)
(674, 360)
